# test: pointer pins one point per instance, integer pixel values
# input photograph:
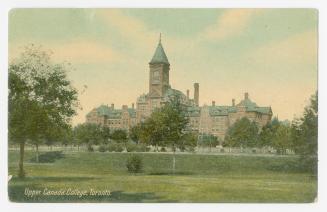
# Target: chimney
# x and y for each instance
(246, 95)
(132, 105)
(188, 94)
(213, 103)
(112, 106)
(196, 94)
(233, 102)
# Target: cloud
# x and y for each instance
(85, 51)
(230, 23)
(300, 48)
(130, 29)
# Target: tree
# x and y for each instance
(243, 133)
(87, 133)
(41, 98)
(105, 134)
(120, 136)
(305, 135)
(174, 120)
(208, 140)
(268, 132)
(282, 139)
(135, 133)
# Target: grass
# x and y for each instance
(198, 178)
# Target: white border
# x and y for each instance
(6, 5)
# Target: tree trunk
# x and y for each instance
(37, 152)
(21, 172)
(174, 160)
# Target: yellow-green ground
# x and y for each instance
(198, 178)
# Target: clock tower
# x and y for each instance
(159, 75)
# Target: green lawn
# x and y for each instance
(198, 178)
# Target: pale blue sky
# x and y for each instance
(270, 53)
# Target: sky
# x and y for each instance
(269, 53)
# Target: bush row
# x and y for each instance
(129, 147)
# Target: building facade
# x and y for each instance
(204, 119)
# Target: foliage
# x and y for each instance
(282, 139)
(163, 149)
(48, 157)
(134, 164)
(41, 99)
(119, 136)
(115, 147)
(243, 133)
(131, 147)
(305, 135)
(135, 133)
(208, 140)
(105, 134)
(102, 148)
(87, 133)
(268, 133)
(90, 147)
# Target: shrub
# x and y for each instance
(131, 147)
(119, 148)
(134, 164)
(102, 148)
(112, 147)
(90, 148)
(141, 148)
(163, 149)
(49, 157)
(191, 149)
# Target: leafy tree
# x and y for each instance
(243, 133)
(188, 142)
(305, 135)
(282, 139)
(208, 140)
(135, 133)
(152, 129)
(173, 119)
(87, 133)
(268, 133)
(120, 136)
(105, 134)
(41, 98)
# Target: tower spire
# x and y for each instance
(159, 55)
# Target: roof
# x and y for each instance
(221, 110)
(253, 107)
(111, 113)
(193, 111)
(171, 93)
(159, 56)
(247, 103)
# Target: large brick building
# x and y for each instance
(204, 119)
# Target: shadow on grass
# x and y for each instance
(16, 194)
(170, 173)
(38, 179)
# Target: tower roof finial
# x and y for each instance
(159, 55)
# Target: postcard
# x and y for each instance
(163, 105)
